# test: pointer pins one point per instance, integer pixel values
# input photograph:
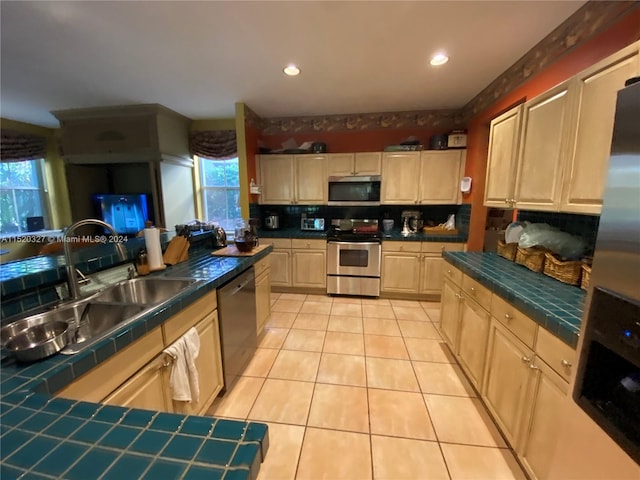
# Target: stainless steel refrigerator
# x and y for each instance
(607, 384)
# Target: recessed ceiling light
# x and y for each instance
(291, 70)
(439, 59)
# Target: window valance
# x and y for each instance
(214, 144)
(18, 146)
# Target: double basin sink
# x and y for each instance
(96, 317)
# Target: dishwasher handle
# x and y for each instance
(241, 286)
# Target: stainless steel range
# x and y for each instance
(353, 258)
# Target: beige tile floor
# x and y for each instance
(364, 389)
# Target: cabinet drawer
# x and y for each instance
(277, 242)
(261, 265)
(478, 292)
(452, 273)
(517, 322)
(401, 247)
(439, 247)
(177, 325)
(308, 244)
(557, 354)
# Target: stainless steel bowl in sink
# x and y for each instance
(39, 341)
(144, 291)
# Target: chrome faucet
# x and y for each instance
(72, 279)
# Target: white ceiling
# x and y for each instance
(199, 58)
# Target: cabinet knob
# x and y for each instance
(473, 289)
(458, 296)
(533, 367)
(508, 317)
(566, 363)
(449, 271)
(525, 359)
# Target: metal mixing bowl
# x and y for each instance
(39, 341)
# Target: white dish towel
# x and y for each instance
(184, 382)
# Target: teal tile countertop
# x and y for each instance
(394, 235)
(46, 437)
(554, 305)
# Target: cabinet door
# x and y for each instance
(367, 163)
(277, 179)
(148, 389)
(450, 314)
(263, 300)
(506, 379)
(432, 267)
(474, 331)
(542, 150)
(209, 365)
(440, 175)
(311, 179)
(309, 268)
(340, 164)
(280, 267)
(399, 174)
(540, 422)
(586, 171)
(400, 272)
(504, 139)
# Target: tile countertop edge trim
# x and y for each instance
(28, 398)
(564, 330)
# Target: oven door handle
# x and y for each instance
(331, 242)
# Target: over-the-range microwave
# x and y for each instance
(359, 190)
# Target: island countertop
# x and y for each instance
(48, 437)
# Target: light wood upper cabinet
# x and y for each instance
(340, 164)
(147, 389)
(586, 168)
(440, 175)
(400, 174)
(361, 163)
(311, 179)
(277, 179)
(504, 139)
(542, 148)
(293, 179)
(427, 177)
(367, 163)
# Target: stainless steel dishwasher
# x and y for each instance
(237, 312)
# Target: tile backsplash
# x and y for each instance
(585, 226)
(290, 214)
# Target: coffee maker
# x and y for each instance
(411, 222)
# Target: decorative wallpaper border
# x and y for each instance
(590, 19)
(251, 118)
(363, 121)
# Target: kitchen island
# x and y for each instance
(61, 438)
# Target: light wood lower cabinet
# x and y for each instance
(148, 389)
(472, 346)
(506, 379)
(450, 313)
(139, 375)
(209, 365)
(414, 267)
(310, 268)
(263, 299)
(541, 418)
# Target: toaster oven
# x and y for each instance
(316, 224)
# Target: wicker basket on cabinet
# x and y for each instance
(586, 275)
(507, 250)
(566, 272)
(532, 258)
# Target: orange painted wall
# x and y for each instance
(355, 141)
(621, 34)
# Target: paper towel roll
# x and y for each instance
(154, 250)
